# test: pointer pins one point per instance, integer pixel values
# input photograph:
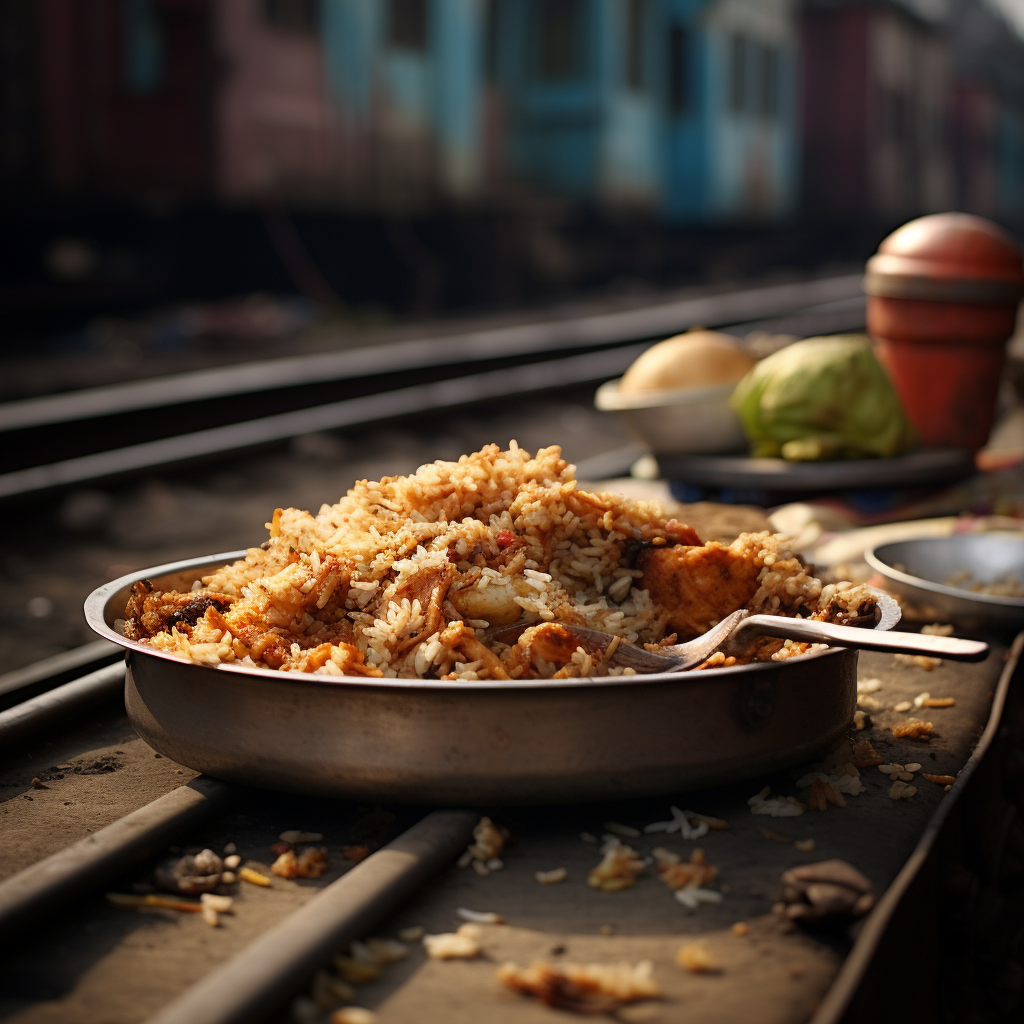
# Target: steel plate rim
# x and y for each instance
(96, 603)
(876, 562)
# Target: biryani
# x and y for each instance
(416, 577)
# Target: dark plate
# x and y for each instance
(918, 469)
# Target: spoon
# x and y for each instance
(740, 624)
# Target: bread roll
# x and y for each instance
(697, 359)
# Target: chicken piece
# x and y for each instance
(460, 637)
(495, 603)
(697, 586)
(554, 643)
(429, 587)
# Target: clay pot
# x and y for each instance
(942, 301)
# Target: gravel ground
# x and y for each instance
(71, 543)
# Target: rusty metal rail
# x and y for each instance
(445, 373)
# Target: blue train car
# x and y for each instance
(407, 79)
(685, 107)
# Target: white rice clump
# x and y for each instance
(407, 576)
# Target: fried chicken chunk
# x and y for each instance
(698, 586)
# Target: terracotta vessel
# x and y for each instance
(942, 301)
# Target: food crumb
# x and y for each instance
(550, 877)
(822, 794)
(585, 988)
(865, 755)
(804, 845)
(353, 1015)
(221, 904)
(618, 868)
(901, 791)
(860, 720)
(938, 702)
(412, 934)
(210, 915)
(253, 877)
(678, 874)
(741, 928)
(697, 959)
(939, 780)
(918, 661)
(479, 916)
(460, 945)
(912, 728)
(311, 863)
(38, 784)
(903, 705)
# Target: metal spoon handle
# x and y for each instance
(869, 639)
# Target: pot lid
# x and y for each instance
(952, 257)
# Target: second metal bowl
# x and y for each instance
(916, 571)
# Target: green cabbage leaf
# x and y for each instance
(822, 398)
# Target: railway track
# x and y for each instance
(71, 956)
(98, 433)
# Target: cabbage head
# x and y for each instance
(822, 398)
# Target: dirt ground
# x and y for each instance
(99, 965)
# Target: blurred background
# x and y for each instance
(382, 159)
(197, 191)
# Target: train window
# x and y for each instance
(678, 70)
(738, 74)
(294, 15)
(559, 28)
(143, 47)
(407, 24)
(769, 87)
(634, 44)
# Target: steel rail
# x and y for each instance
(30, 718)
(444, 394)
(257, 982)
(44, 888)
(62, 666)
(473, 346)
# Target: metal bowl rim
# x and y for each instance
(874, 559)
(96, 602)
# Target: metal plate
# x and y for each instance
(539, 741)
(912, 470)
(927, 561)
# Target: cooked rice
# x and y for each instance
(405, 576)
